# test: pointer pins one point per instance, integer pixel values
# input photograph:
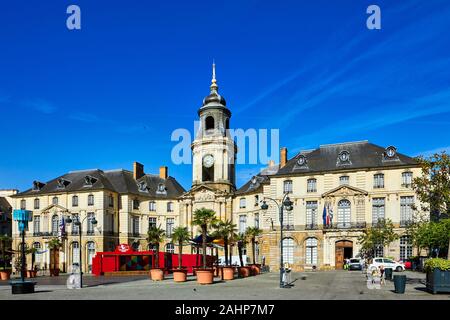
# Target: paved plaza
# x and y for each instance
(309, 285)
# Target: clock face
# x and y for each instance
(208, 160)
(390, 152)
(301, 160)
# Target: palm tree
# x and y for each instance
(204, 218)
(224, 230)
(5, 241)
(252, 233)
(241, 241)
(155, 236)
(180, 235)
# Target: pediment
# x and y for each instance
(54, 208)
(345, 190)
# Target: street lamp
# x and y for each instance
(76, 221)
(287, 204)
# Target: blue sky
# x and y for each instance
(113, 92)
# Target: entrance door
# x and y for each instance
(343, 250)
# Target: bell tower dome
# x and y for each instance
(213, 150)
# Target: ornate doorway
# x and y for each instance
(343, 250)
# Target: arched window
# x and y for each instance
(90, 254)
(55, 201)
(287, 186)
(170, 248)
(344, 214)
(405, 248)
(75, 201)
(288, 250)
(55, 224)
(311, 185)
(311, 251)
(209, 123)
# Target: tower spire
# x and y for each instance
(214, 86)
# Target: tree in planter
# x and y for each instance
(252, 233)
(381, 235)
(180, 235)
(5, 243)
(241, 241)
(155, 236)
(433, 187)
(224, 230)
(204, 218)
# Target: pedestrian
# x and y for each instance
(362, 263)
(382, 276)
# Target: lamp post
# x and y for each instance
(286, 203)
(76, 221)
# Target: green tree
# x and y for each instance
(241, 241)
(204, 218)
(180, 235)
(430, 235)
(433, 187)
(224, 230)
(155, 235)
(252, 233)
(5, 243)
(380, 235)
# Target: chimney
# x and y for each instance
(163, 172)
(138, 170)
(283, 157)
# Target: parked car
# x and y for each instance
(387, 263)
(355, 264)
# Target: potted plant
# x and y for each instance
(155, 236)
(180, 235)
(5, 241)
(204, 218)
(32, 272)
(244, 271)
(54, 245)
(224, 230)
(438, 275)
(252, 233)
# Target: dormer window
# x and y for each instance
(62, 183)
(161, 188)
(391, 151)
(344, 156)
(37, 186)
(254, 180)
(89, 181)
(142, 185)
(301, 161)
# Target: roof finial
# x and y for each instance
(214, 86)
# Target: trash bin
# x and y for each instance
(388, 273)
(399, 283)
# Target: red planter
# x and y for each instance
(5, 275)
(256, 269)
(156, 274)
(205, 276)
(245, 272)
(179, 275)
(228, 273)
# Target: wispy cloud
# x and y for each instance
(40, 105)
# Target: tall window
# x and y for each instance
(75, 201)
(55, 224)
(111, 200)
(75, 253)
(406, 210)
(23, 204)
(36, 203)
(287, 188)
(311, 214)
(75, 227)
(406, 179)
(152, 206)
(378, 209)
(170, 248)
(169, 206)
(242, 203)
(135, 225)
(406, 248)
(90, 200)
(311, 185)
(37, 255)
(344, 180)
(90, 254)
(169, 226)
(90, 225)
(257, 220)
(288, 250)
(256, 200)
(136, 204)
(209, 123)
(378, 180)
(242, 224)
(55, 201)
(36, 225)
(151, 222)
(311, 251)
(344, 214)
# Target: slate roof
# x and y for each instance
(120, 181)
(260, 179)
(362, 155)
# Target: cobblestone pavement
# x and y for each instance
(309, 285)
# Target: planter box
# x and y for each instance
(438, 281)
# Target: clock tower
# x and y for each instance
(213, 150)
